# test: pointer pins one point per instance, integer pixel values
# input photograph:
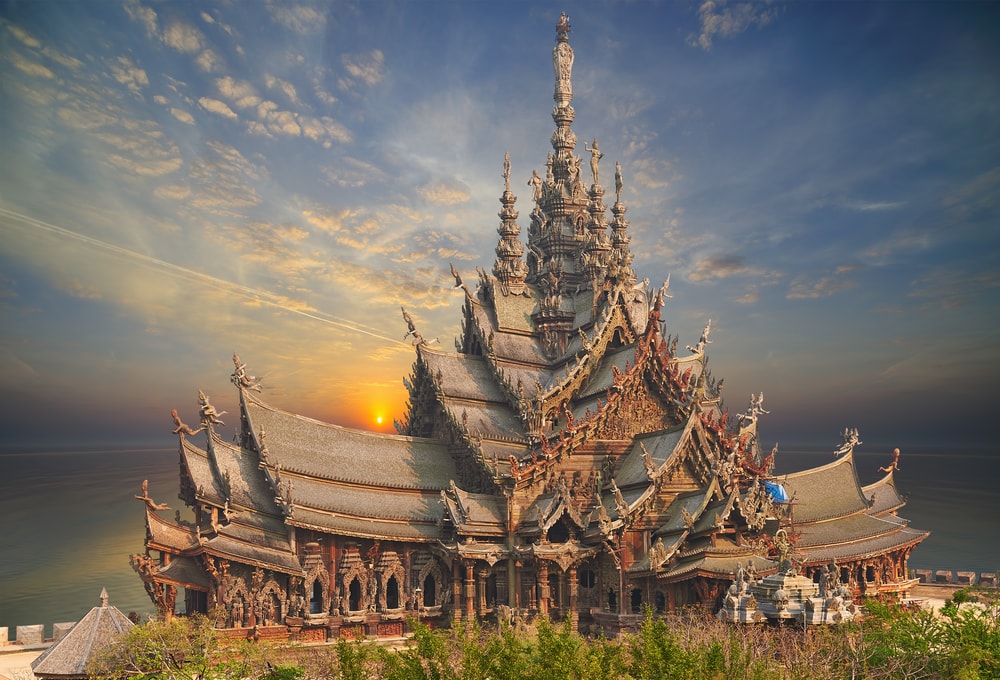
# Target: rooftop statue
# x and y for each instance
(180, 427)
(595, 157)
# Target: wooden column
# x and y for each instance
(470, 589)
(481, 577)
(543, 588)
(456, 583)
(574, 590)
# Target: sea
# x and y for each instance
(70, 520)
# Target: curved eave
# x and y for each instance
(364, 527)
(867, 548)
(184, 572)
(715, 565)
(168, 536)
(253, 555)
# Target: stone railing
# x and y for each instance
(27, 636)
(955, 578)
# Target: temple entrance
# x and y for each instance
(195, 601)
(316, 598)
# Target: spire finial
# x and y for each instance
(104, 597)
(563, 28)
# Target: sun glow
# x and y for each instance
(378, 420)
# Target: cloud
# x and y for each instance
(367, 69)
(209, 61)
(143, 15)
(954, 287)
(182, 115)
(719, 20)
(902, 241)
(31, 68)
(129, 75)
(275, 83)
(242, 94)
(299, 18)
(351, 172)
(23, 36)
(445, 194)
(826, 286)
(217, 107)
(720, 267)
(183, 38)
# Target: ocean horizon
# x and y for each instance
(71, 520)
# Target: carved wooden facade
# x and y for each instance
(566, 460)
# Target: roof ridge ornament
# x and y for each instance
(851, 439)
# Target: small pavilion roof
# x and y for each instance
(95, 632)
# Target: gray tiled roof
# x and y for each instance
(462, 376)
(169, 534)
(364, 501)
(248, 487)
(312, 448)
(94, 633)
(826, 492)
(661, 446)
(885, 495)
(876, 545)
(845, 529)
(251, 552)
(364, 527)
(718, 562)
(184, 571)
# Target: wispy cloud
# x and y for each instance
(718, 19)
(804, 288)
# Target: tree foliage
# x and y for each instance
(890, 642)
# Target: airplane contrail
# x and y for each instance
(255, 294)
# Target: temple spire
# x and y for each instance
(509, 268)
(563, 139)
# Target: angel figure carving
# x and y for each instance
(894, 465)
(209, 416)
(180, 427)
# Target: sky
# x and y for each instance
(180, 180)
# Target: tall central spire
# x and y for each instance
(563, 139)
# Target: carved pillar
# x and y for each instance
(470, 589)
(574, 590)
(481, 577)
(543, 588)
(456, 583)
(516, 597)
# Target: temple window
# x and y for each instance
(587, 578)
(558, 532)
(316, 601)
(661, 602)
(636, 600)
(392, 593)
(354, 601)
(430, 593)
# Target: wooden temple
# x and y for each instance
(568, 459)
